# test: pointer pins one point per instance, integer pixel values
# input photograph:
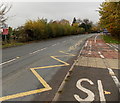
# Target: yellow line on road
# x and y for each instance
(24, 94)
(59, 60)
(52, 66)
(44, 83)
(40, 79)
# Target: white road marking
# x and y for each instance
(115, 46)
(86, 43)
(54, 44)
(90, 97)
(116, 50)
(112, 46)
(114, 78)
(89, 53)
(101, 55)
(95, 38)
(109, 45)
(101, 92)
(37, 51)
(8, 61)
(34, 52)
(43, 49)
(90, 48)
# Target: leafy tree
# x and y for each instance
(110, 17)
(86, 24)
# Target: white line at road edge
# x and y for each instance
(101, 92)
(112, 46)
(114, 78)
(109, 45)
(115, 46)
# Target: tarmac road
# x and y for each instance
(95, 76)
(33, 72)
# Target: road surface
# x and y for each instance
(34, 72)
(94, 76)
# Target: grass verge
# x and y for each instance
(12, 45)
(109, 39)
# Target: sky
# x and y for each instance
(23, 11)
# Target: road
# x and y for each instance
(34, 72)
(94, 76)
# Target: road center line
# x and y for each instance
(8, 61)
(37, 51)
(54, 44)
(43, 49)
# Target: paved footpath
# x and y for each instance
(94, 76)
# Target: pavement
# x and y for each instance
(95, 75)
(34, 72)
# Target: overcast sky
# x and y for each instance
(22, 11)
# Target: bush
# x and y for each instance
(41, 29)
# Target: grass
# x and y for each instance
(7, 45)
(109, 39)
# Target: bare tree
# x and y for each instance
(4, 8)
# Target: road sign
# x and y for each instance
(5, 31)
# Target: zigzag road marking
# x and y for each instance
(44, 83)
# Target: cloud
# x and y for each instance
(52, 10)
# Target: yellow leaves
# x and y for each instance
(110, 16)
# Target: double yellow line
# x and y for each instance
(44, 83)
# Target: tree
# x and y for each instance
(3, 10)
(74, 21)
(86, 24)
(110, 17)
